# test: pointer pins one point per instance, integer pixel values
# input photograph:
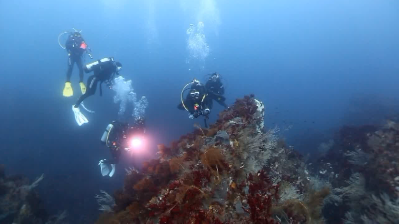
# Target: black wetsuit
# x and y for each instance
(215, 91)
(76, 47)
(203, 102)
(115, 141)
(103, 72)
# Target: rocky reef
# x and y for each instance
(235, 171)
(19, 202)
(362, 169)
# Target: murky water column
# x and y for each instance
(151, 28)
(197, 47)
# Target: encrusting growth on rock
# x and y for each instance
(230, 172)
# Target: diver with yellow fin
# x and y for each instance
(104, 70)
(75, 46)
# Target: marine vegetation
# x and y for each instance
(363, 171)
(235, 171)
(20, 203)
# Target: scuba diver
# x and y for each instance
(75, 46)
(104, 71)
(119, 136)
(196, 103)
(215, 89)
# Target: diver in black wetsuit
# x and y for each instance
(215, 89)
(116, 138)
(104, 71)
(75, 46)
(197, 102)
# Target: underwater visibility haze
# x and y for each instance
(311, 116)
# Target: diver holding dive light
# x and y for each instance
(118, 137)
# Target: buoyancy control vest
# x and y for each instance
(97, 64)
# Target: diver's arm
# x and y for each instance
(221, 89)
(216, 95)
(69, 45)
(207, 85)
(88, 50)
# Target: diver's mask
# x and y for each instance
(194, 94)
(215, 77)
(196, 82)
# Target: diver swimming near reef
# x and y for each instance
(118, 137)
(215, 89)
(105, 70)
(197, 102)
(75, 46)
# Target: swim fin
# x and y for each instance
(79, 117)
(106, 169)
(82, 87)
(68, 91)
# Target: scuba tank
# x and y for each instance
(104, 137)
(93, 65)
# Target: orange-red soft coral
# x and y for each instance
(144, 184)
(213, 159)
(176, 164)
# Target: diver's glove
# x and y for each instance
(106, 168)
(206, 111)
(79, 117)
(191, 116)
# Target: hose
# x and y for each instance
(59, 42)
(90, 111)
(181, 95)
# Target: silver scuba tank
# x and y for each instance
(105, 134)
(92, 65)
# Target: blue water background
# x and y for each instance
(315, 64)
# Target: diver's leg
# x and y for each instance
(71, 61)
(80, 67)
(92, 86)
(68, 91)
(115, 156)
